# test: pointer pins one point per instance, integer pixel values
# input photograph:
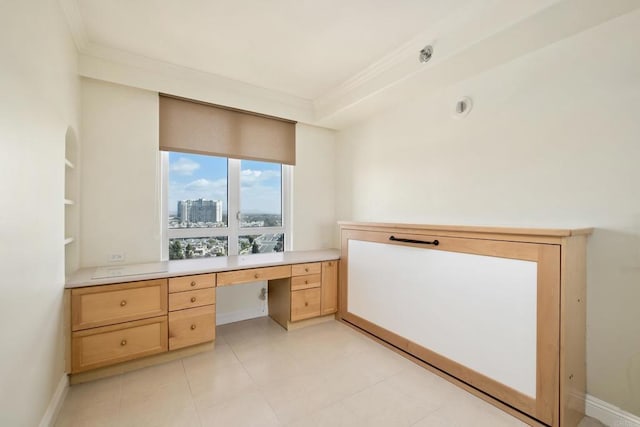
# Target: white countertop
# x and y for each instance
(118, 273)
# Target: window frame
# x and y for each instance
(233, 230)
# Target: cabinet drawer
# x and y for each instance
(305, 304)
(107, 345)
(305, 282)
(253, 274)
(188, 283)
(192, 326)
(190, 299)
(105, 305)
(303, 269)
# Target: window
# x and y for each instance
(217, 206)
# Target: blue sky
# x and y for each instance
(193, 176)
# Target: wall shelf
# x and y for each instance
(71, 202)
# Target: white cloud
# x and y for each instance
(198, 189)
(184, 166)
(251, 177)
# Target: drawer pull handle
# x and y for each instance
(193, 283)
(193, 327)
(123, 343)
(123, 303)
(422, 242)
(256, 275)
(306, 282)
(193, 299)
(306, 304)
(306, 269)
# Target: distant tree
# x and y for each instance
(255, 249)
(188, 251)
(279, 247)
(175, 250)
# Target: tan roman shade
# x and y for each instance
(201, 128)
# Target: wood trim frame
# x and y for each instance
(551, 391)
(480, 394)
(573, 301)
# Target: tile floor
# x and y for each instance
(260, 375)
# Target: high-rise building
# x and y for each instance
(200, 210)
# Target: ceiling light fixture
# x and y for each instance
(426, 53)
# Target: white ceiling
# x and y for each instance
(303, 48)
(324, 62)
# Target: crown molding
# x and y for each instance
(472, 39)
(117, 66)
(477, 40)
(76, 24)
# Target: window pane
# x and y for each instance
(260, 194)
(198, 195)
(199, 247)
(261, 243)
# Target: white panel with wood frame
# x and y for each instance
(498, 309)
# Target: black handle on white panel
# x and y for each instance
(421, 242)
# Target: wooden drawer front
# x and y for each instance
(107, 345)
(188, 283)
(190, 299)
(105, 305)
(305, 304)
(305, 282)
(192, 326)
(303, 269)
(253, 274)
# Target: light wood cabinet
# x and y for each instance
(106, 305)
(114, 323)
(192, 310)
(192, 299)
(98, 347)
(304, 269)
(329, 299)
(310, 293)
(305, 304)
(193, 326)
(253, 275)
(190, 283)
(306, 282)
(498, 311)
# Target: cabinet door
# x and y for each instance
(105, 305)
(192, 326)
(98, 347)
(329, 302)
(305, 304)
(485, 311)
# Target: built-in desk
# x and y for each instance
(120, 314)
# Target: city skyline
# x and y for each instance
(199, 210)
(193, 177)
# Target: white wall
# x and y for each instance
(120, 182)
(553, 141)
(38, 84)
(314, 188)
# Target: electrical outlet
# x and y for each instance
(117, 257)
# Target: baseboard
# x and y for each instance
(51, 414)
(610, 415)
(237, 316)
